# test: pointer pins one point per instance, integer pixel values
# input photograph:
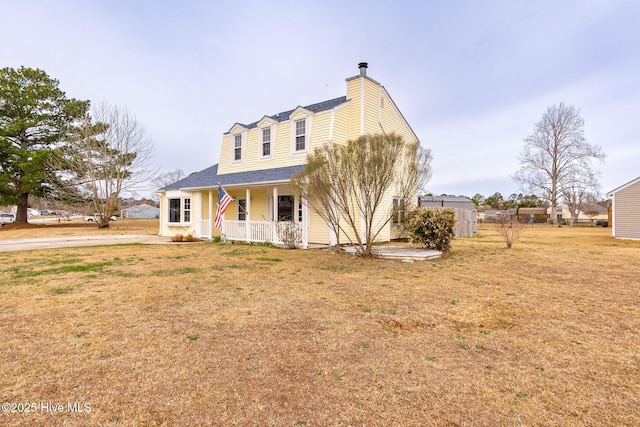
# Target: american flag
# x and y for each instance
(224, 200)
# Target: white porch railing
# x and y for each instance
(205, 228)
(253, 231)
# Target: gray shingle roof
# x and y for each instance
(209, 177)
(320, 106)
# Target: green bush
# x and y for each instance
(433, 228)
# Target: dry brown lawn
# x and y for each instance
(546, 333)
(38, 228)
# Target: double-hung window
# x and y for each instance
(237, 148)
(301, 135)
(266, 142)
(186, 210)
(180, 210)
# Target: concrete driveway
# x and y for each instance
(79, 241)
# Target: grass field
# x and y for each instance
(546, 333)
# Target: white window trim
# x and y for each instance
(308, 119)
(182, 210)
(273, 128)
(243, 139)
(402, 214)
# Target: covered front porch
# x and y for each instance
(260, 213)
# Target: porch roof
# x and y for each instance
(209, 178)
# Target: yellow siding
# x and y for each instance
(282, 149)
(204, 209)
(371, 107)
(258, 206)
(341, 125)
(391, 118)
(353, 94)
(225, 153)
(318, 229)
(320, 129)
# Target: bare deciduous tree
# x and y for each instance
(556, 154)
(347, 185)
(578, 193)
(109, 155)
(167, 178)
(509, 228)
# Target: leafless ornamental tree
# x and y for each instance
(110, 155)
(509, 228)
(556, 154)
(347, 185)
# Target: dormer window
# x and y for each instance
(301, 135)
(237, 148)
(266, 142)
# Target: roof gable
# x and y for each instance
(237, 128)
(300, 111)
(266, 120)
(622, 187)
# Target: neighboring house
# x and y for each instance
(258, 159)
(140, 211)
(594, 213)
(589, 213)
(625, 210)
(531, 215)
(489, 215)
(466, 214)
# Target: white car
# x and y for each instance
(7, 218)
(95, 218)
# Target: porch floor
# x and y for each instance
(400, 253)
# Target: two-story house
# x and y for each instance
(258, 159)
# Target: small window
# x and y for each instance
(266, 142)
(300, 211)
(300, 135)
(237, 148)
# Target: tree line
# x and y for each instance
(60, 148)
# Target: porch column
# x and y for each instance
(305, 223)
(275, 214)
(211, 214)
(248, 206)
(247, 218)
(199, 215)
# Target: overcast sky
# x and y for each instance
(472, 77)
